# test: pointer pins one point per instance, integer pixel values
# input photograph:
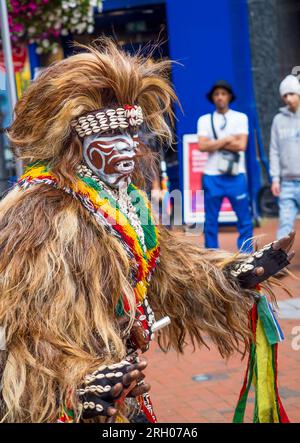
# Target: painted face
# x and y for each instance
(111, 157)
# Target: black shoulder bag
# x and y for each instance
(228, 162)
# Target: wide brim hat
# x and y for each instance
(224, 85)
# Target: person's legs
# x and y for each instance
(239, 198)
(288, 207)
(212, 204)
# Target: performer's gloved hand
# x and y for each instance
(264, 263)
(108, 384)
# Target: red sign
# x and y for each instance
(193, 167)
(19, 58)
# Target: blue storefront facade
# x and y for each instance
(210, 40)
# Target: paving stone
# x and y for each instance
(293, 302)
(289, 308)
(285, 392)
(208, 377)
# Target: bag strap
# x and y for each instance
(213, 126)
(235, 155)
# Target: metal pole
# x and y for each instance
(3, 170)
(9, 66)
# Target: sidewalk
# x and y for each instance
(201, 387)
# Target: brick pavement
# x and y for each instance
(178, 398)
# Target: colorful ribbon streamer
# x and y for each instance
(262, 368)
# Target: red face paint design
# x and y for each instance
(111, 158)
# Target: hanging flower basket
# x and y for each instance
(43, 21)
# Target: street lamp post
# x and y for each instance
(9, 67)
(3, 171)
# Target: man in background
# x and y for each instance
(285, 155)
(224, 135)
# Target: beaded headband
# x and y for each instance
(104, 120)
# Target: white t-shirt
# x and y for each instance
(236, 123)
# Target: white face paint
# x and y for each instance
(111, 157)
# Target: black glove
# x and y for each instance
(268, 259)
(96, 395)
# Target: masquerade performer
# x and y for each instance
(84, 270)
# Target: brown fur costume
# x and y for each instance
(61, 274)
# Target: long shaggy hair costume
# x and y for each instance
(61, 274)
